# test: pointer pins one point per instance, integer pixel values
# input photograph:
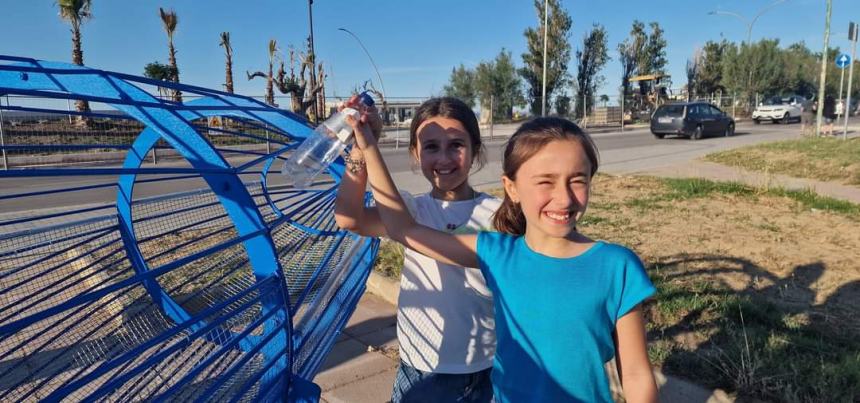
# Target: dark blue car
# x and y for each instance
(693, 120)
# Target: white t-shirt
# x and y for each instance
(445, 313)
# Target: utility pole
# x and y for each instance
(545, 25)
(313, 57)
(852, 36)
(491, 116)
(820, 113)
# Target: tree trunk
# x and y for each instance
(229, 72)
(177, 95)
(270, 89)
(78, 58)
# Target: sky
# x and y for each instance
(414, 44)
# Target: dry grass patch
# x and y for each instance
(758, 288)
(825, 159)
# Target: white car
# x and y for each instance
(779, 109)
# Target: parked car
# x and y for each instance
(779, 109)
(691, 119)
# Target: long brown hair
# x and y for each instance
(530, 138)
(451, 108)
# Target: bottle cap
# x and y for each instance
(366, 99)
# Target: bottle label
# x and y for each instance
(345, 131)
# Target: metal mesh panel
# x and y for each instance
(189, 290)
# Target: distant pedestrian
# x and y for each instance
(829, 114)
(807, 117)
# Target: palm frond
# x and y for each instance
(225, 41)
(75, 10)
(169, 19)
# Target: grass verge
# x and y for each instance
(825, 159)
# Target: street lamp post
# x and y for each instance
(372, 63)
(749, 24)
(543, 87)
(313, 57)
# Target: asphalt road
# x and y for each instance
(631, 151)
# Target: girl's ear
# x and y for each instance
(510, 189)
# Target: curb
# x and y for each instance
(383, 287)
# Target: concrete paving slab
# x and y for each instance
(349, 362)
(371, 314)
(375, 389)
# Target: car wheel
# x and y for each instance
(698, 133)
(786, 119)
(756, 121)
(730, 130)
(659, 135)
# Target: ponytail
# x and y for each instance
(509, 218)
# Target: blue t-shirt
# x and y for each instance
(555, 317)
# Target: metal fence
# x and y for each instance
(200, 279)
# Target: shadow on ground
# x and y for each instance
(765, 337)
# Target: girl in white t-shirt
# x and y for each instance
(445, 313)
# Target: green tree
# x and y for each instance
(461, 85)
(604, 99)
(654, 55)
(160, 72)
(169, 20)
(75, 12)
(694, 65)
(509, 93)
(710, 73)
(562, 104)
(497, 82)
(558, 54)
(755, 68)
(628, 54)
(228, 62)
(590, 60)
(800, 64)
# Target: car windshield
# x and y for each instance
(775, 101)
(675, 111)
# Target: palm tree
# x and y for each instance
(76, 12)
(169, 19)
(270, 79)
(270, 76)
(228, 64)
(605, 99)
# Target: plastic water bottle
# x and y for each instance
(319, 150)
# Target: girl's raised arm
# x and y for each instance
(350, 212)
(459, 250)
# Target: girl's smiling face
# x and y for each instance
(552, 188)
(444, 153)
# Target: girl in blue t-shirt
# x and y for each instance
(564, 304)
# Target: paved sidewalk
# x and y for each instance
(363, 362)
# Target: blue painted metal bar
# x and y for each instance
(179, 126)
(131, 281)
(133, 354)
(41, 172)
(66, 112)
(316, 273)
(64, 146)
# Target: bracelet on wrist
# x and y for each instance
(354, 165)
